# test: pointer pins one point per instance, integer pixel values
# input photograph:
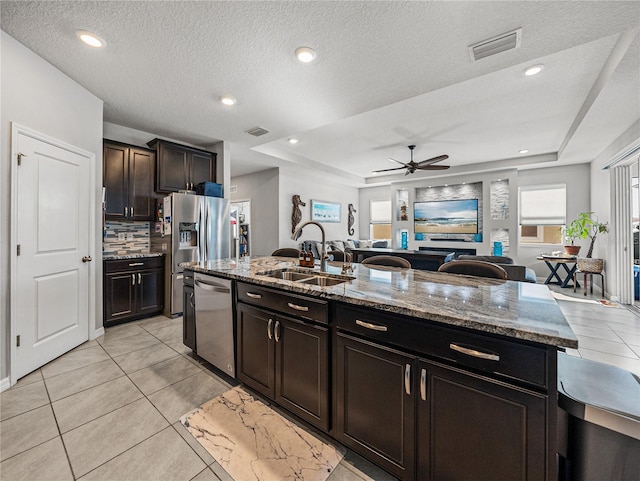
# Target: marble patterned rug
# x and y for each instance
(252, 442)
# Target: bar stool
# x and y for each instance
(590, 274)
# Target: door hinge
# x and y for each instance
(20, 155)
(18, 340)
(18, 249)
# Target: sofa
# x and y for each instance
(514, 272)
(336, 248)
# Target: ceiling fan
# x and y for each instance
(423, 165)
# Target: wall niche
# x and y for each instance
(464, 191)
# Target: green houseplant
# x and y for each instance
(586, 225)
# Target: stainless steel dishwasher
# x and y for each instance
(214, 322)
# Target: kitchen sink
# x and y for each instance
(314, 278)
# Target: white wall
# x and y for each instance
(576, 178)
(262, 190)
(317, 186)
(37, 95)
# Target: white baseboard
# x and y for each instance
(97, 333)
(4, 384)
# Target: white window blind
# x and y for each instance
(543, 205)
(380, 211)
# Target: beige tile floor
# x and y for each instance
(109, 409)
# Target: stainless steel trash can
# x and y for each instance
(599, 421)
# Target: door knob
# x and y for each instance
(87, 259)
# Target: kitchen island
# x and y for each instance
(430, 375)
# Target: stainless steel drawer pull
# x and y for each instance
(133, 279)
(191, 296)
(297, 307)
(369, 325)
(136, 264)
(423, 384)
(211, 287)
(489, 356)
(269, 326)
(254, 296)
(276, 331)
(139, 278)
(407, 378)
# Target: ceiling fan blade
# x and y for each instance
(433, 160)
(387, 170)
(433, 167)
(402, 163)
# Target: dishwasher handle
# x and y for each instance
(211, 287)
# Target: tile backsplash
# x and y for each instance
(125, 237)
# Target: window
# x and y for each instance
(543, 213)
(380, 219)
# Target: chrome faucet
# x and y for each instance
(323, 255)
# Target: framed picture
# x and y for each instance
(323, 211)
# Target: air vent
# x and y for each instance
(233, 189)
(257, 131)
(492, 46)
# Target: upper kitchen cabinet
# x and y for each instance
(128, 173)
(181, 167)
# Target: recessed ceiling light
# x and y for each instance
(227, 100)
(305, 54)
(524, 151)
(90, 39)
(293, 141)
(533, 70)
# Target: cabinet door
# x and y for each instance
(172, 168)
(302, 370)
(142, 165)
(472, 427)
(115, 175)
(202, 168)
(150, 291)
(189, 318)
(375, 403)
(119, 296)
(255, 349)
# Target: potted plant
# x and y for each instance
(586, 225)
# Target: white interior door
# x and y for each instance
(51, 233)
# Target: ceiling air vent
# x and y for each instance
(257, 131)
(497, 44)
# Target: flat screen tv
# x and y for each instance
(446, 216)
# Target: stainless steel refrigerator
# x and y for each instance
(194, 228)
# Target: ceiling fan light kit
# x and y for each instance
(412, 166)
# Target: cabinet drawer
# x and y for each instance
(508, 359)
(137, 263)
(291, 304)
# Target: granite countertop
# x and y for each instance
(519, 310)
(137, 255)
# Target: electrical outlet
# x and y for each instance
(121, 236)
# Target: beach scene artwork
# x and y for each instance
(446, 217)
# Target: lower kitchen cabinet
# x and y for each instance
(133, 289)
(285, 359)
(427, 421)
(375, 404)
(472, 427)
(188, 312)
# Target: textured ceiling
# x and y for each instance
(388, 74)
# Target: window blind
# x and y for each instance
(543, 205)
(380, 211)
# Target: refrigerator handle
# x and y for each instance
(200, 232)
(207, 219)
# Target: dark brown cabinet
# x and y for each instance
(285, 359)
(180, 167)
(128, 177)
(188, 312)
(133, 289)
(472, 427)
(458, 419)
(375, 403)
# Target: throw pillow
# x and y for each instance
(365, 244)
(380, 244)
(349, 244)
(337, 245)
(327, 248)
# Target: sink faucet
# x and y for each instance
(323, 255)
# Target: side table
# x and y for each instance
(569, 265)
